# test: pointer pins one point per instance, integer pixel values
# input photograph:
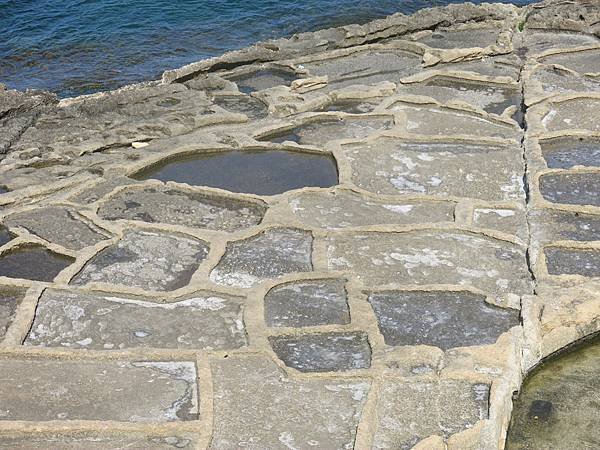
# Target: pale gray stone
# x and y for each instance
(131, 391)
(257, 407)
(438, 318)
(323, 352)
(95, 441)
(431, 257)
(307, 303)
(410, 411)
(269, 254)
(179, 207)
(59, 225)
(393, 166)
(151, 260)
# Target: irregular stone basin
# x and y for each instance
(564, 153)
(265, 172)
(262, 79)
(558, 403)
(33, 262)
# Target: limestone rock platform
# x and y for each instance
(357, 238)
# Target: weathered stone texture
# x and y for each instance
(324, 415)
(81, 320)
(141, 391)
(324, 352)
(307, 303)
(431, 257)
(178, 207)
(270, 254)
(154, 261)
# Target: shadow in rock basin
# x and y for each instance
(264, 172)
(33, 262)
(558, 405)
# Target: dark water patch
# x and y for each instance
(75, 47)
(261, 172)
(33, 262)
(558, 407)
(567, 152)
(262, 79)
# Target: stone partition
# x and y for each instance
(398, 308)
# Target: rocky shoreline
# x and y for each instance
(399, 307)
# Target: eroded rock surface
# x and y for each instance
(154, 261)
(141, 391)
(187, 208)
(357, 238)
(270, 254)
(325, 415)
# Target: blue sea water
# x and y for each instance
(74, 47)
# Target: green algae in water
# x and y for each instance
(559, 404)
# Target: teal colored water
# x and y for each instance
(74, 47)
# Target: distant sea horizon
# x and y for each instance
(75, 47)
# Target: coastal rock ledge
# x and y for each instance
(358, 238)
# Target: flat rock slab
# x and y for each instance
(154, 261)
(59, 225)
(584, 61)
(307, 303)
(33, 262)
(179, 207)
(260, 172)
(508, 220)
(323, 352)
(575, 114)
(442, 319)
(242, 104)
(573, 261)
(103, 322)
(394, 166)
(442, 408)
(96, 441)
(550, 225)
(344, 209)
(492, 98)
(435, 121)
(571, 188)
(365, 68)
(5, 236)
(285, 412)
(270, 254)
(328, 128)
(131, 391)
(431, 257)
(262, 79)
(10, 298)
(565, 153)
(466, 38)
